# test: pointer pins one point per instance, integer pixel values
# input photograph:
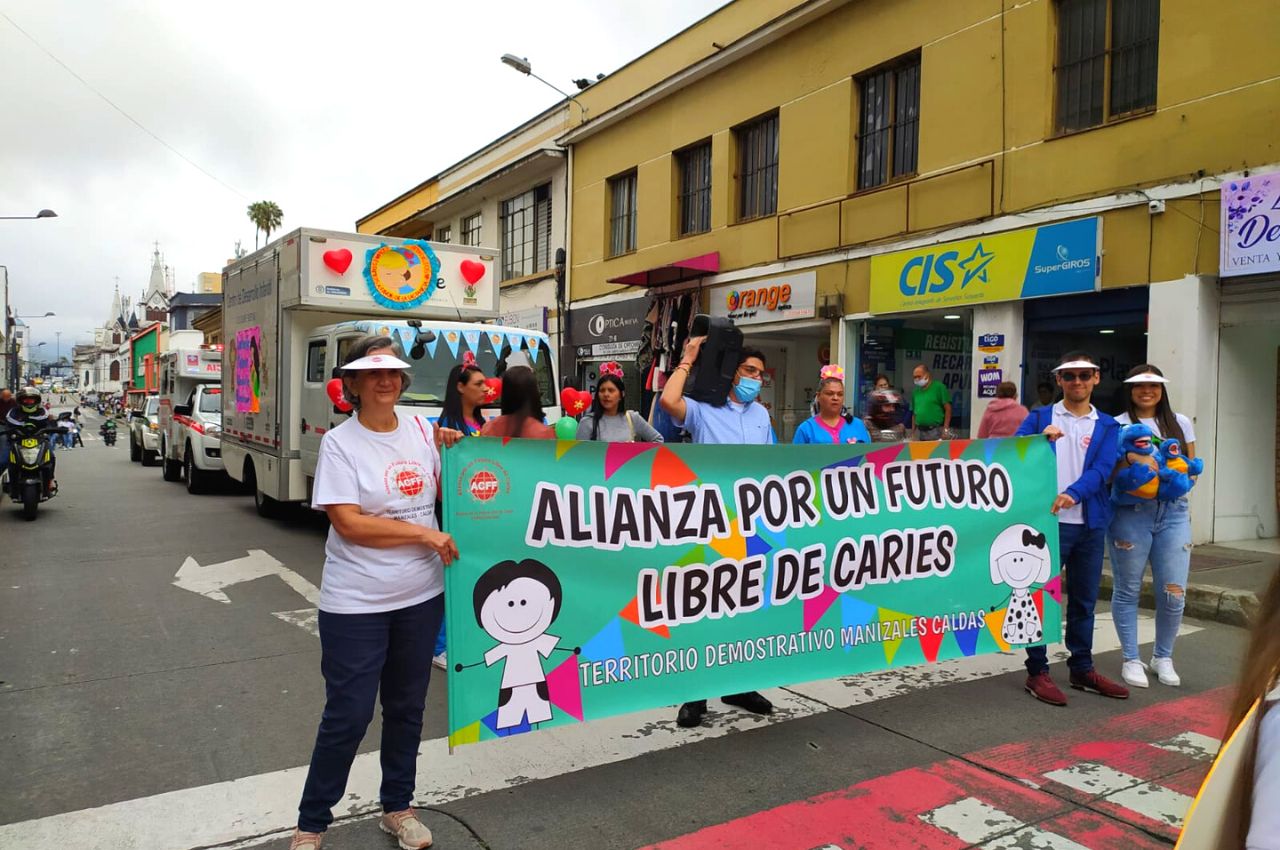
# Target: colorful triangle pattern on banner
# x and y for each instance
(1024, 443)
(1037, 599)
(466, 735)
(617, 454)
(967, 640)
(957, 447)
(490, 721)
(922, 449)
(891, 646)
(757, 545)
(669, 470)
(453, 339)
(696, 555)
(565, 688)
(607, 643)
(473, 339)
(1054, 588)
(631, 614)
(563, 446)
(880, 457)
(989, 450)
(995, 620)
(853, 613)
(733, 546)
(815, 608)
(930, 635)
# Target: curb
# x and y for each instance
(1204, 601)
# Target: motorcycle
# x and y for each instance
(30, 465)
(108, 432)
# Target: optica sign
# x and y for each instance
(1056, 259)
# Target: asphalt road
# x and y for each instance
(128, 701)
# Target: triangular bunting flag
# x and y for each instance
(732, 546)
(473, 339)
(563, 446)
(491, 723)
(466, 735)
(1037, 599)
(957, 447)
(631, 614)
(891, 645)
(515, 340)
(757, 545)
(967, 640)
(669, 470)
(565, 688)
(922, 449)
(452, 339)
(607, 643)
(989, 450)
(1054, 588)
(617, 454)
(432, 344)
(696, 555)
(931, 636)
(495, 339)
(1024, 443)
(847, 462)
(816, 607)
(995, 620)
(880, 457)
(534, 351)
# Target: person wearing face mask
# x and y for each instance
(931, 402)
(832, 423)
(739, 422)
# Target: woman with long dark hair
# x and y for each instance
(1154, 530)
(521, 408)
(464, 395)
(608, 419)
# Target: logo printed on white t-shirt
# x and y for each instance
(406, 477)
(1086, 440)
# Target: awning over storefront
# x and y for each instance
(676, 272)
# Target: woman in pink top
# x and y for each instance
(521, 408)
(1003, 415)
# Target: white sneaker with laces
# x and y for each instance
(1163, 668)
(441, 661)
(410, 833)
(1134, 674)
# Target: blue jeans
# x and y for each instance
(1080, 550)
(360, 656)
(1159, 532)
(440, 639)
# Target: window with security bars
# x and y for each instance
(758, 167)
(889, 123)
(443, 234)
(471, 229)
(1108, 52)
(526, 233)
(622, 214)
(695, 189)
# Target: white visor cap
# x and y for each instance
(376, 361)
(1076, 364)
(1147, 378)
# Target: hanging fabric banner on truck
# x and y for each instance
(601, 578)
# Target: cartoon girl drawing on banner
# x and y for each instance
(1020, 559)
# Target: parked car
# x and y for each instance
(144, 429)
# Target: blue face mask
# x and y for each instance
(747, 389)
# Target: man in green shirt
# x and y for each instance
(931, 404)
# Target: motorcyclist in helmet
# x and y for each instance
(29, 413)
(884, 416)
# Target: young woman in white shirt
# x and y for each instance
(1159, 532)
(381, 597)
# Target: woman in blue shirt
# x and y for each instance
(832, 424)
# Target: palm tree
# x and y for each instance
(266, 216)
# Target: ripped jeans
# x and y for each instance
(1159, 532)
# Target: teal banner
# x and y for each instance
(602, 578)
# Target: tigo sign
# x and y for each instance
(776, 299)
(1056, 259)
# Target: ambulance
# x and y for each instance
(190, 415)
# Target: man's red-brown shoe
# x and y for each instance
(1099, 684)
(1042, 687)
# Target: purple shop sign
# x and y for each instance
(988, 380)
(1250, 225)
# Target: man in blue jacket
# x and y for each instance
(1085, 442)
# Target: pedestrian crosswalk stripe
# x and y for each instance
(1192, 744)
(975, 822)
(1156, 802)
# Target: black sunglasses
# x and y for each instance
(1068, 377)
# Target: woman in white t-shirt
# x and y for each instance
(381, 597)
(1156, 531)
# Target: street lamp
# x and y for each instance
(41, 214)
(523, 66)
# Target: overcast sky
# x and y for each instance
(327, 108)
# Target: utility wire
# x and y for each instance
(188, 160)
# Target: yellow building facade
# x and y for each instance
(841, 149)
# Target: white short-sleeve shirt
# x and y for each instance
(391, 475)
(523, 667)
(1184, 422)
(1070, 449)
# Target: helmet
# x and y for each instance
(29, 400)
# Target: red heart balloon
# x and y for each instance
(567, 397)
(334, 390)
(471, 270)
(339, 260)
(492, 390)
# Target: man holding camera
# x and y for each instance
(740, 421)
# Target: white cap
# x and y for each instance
(1076, 364)
(1147, 378)
(377, 361)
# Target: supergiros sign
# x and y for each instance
(1056, 259)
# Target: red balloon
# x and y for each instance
(567, 396)
(584, 401)
(492, 390)
(334, 390)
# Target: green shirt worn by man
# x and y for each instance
(927, 404)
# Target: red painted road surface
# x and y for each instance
(1114, 787)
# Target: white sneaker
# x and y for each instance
(1163, 668)
(1134, 674)
(440, 661)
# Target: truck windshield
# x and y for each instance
(432, 371)
(153, 406)
(211, 400)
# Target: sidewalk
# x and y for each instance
(1225, 583)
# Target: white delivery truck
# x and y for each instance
(191, 415)
(291, 312)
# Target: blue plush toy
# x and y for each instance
(1139, 481)
(1177, 471)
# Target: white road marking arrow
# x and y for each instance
(210, 580)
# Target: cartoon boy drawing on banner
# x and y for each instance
(515, 603)
(1020, 559)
